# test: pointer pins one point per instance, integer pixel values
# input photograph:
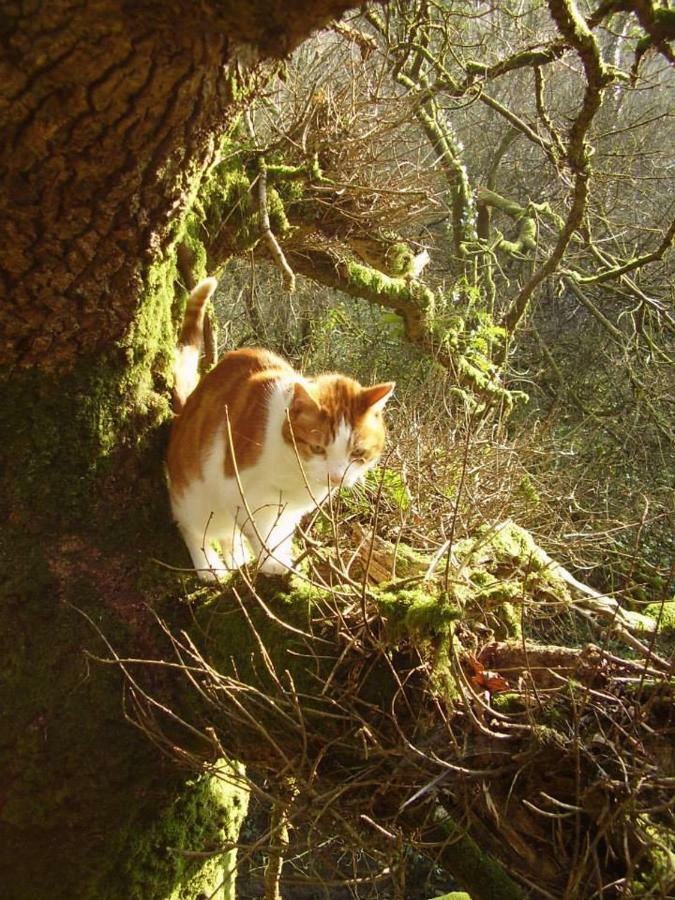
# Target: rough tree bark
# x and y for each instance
(111, 113)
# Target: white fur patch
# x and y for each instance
(186, 370)
(265, 504)
(338, 455)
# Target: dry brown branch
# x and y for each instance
(390, 727)
(278, 844)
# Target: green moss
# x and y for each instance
(472, 867)
(507, 703)
(230, 210)
(527, 491)
(79, 425)
(454, 895)
(547, 736)
(410, 563)
(431, 321)
(193, 236)
(511, 622)
(505, 568)
(664, 613)
(511, 553)
(204, 818)
(399, 292)
(150, 342)
(399, 259)
(415, 613)
(494, 591)
(391, 488)
(281, 173)
(277, 212)
(231, 637)
(225, 214)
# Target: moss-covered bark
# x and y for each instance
(458, 337)
(89, 806)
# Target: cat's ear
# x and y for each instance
(303, 399)
(376, 396)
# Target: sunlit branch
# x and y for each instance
(633, 264)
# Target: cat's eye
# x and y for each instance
(317, 449)
(358, 456)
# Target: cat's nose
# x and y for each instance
(335, 478)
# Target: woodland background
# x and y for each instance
(471, 684)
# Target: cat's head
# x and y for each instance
(336, 427)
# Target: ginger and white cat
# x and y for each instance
(256, 445)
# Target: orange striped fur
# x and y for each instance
(238, 384)
(257, 445)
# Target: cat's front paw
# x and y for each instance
(273, 566)
(211, 576)
(235, 554)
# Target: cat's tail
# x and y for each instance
(186, 366)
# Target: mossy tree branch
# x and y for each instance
(429, 323)
(525, 216)
(229, 222)
(631, 265)
(287, 679)
(527, 58)
(432, 78)
(577, 151)
(440, 135)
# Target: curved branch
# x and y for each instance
(414, 302)
(530, 56)
(630, 266)
(527, 232)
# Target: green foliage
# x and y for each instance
(528, 491)
(656, 872)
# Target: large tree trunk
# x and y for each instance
(112, 111)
